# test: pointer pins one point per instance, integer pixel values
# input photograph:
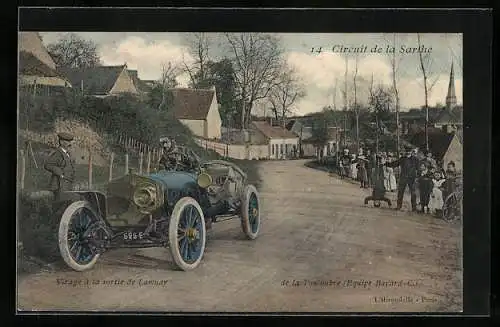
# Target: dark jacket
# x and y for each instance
(168, 161)
(60, 164)
(408, 167)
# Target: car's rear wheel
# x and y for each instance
(250, 212)
(74, 237)
(187, 234)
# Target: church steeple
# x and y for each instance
(451, 99)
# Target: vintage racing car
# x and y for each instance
(167, 208)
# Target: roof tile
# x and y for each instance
(192, 104)
(273, 132)
(97, 80)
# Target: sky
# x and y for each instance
(318, 72)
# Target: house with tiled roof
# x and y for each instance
(101, 81)
(449, 119)
(198, 110)
(445, 147)
(282, 142)
(36, 66)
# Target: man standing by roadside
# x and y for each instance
(408, 166)
(370, 165)
(61, 166)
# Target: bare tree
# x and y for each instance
(73, 51)
(257, 63)
(394, 69)
(371, 102)
(284, 94)
(355, 104)
(335, 91)
(425, 67)
(199, 46)
(380, 103)
(169, 73)
(346, 101)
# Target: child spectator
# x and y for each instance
(425, 187)
(378, 193)
(436, 198)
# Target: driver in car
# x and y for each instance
(169, 159)
(174, 158)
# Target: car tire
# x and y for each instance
(250, 212)
(187, 248)
(67, 246)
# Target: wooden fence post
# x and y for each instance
(160, 155)
(90, 169)
(111, 165)
(148, 167)
(153, 153)
(23, 169)
(141, 158)
(126, 163)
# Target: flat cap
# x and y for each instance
(65, 136)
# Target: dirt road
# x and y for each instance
(320, 249)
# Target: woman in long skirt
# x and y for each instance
(354, 170)
(436, 200)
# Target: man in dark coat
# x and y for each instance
(370, 165)
(61, 166)
(408, 172)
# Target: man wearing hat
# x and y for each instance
(408, 165)
(169, 159)
(61, 166)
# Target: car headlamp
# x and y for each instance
(204, 180)
(146, 198)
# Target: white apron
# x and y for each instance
(436, 200)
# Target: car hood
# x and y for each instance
(173, 179)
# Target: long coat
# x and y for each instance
(60, 164)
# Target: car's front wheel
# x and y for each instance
(187, 234)
(250, 212)
(74, 237)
